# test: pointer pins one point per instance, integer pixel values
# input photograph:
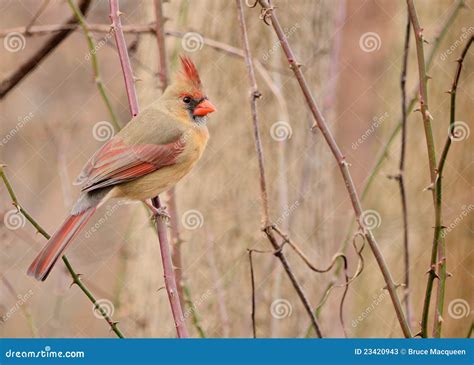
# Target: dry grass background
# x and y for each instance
(121, 262)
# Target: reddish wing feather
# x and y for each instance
(116, 162)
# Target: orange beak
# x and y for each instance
(204, 108)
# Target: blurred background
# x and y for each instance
(351, 53)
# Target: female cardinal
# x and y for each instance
(148, 156)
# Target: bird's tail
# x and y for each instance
(44, 262)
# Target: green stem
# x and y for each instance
(94, 62)
(194, 316)
(75, 276)
(439, 237)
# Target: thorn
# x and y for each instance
(136, 79)
(440, 319)
(425, 41)
(418, 334)
(459, 60)
(449, 91)
(429, 114)
(428, 77)
(429, 187)
(448, 274)
(417, 110)
(119, 13)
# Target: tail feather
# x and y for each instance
(44, 262)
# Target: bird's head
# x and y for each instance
(185, 95)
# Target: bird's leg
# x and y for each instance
(158, 212)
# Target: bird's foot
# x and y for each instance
(158, 212)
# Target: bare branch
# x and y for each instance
(7, 84)
(268, 15)
(170, 280)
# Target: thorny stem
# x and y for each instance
(94, 61)
(401, 176)
(423, 92)
(383, 154)
(193, 311)
(442, 273)
(76, 277)
(172, 205)
(423, 97)
(269, 14)
(254, 95)
(170, 280)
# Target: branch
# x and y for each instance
(268, 13)
(383, 153)
(35, 60)
(40, 30)
(170, 281)
(339, 255)
(267, 228)
(423, 92)
(76, 277)
(401, 175)
(172, 205)
(252, 283)
(438, 318)
(94, 62)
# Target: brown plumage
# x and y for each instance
(148, 156)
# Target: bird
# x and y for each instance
(155, 150)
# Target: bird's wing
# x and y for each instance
(117, 162)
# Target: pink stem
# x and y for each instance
(170, 280)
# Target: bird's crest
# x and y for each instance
(190, 72)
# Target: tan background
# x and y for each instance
(121, 261)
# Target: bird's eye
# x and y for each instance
(187, 99)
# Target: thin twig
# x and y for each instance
(252, 283)
(268, 14)
(94, 61)
(41, 30)
(7, 84)
(38, 13)
(401, 174)
(267, 228)
(193, 312)
(442, 273)
(76, 277)
(170, 280)
(335, 259)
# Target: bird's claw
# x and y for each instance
(161, 213)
